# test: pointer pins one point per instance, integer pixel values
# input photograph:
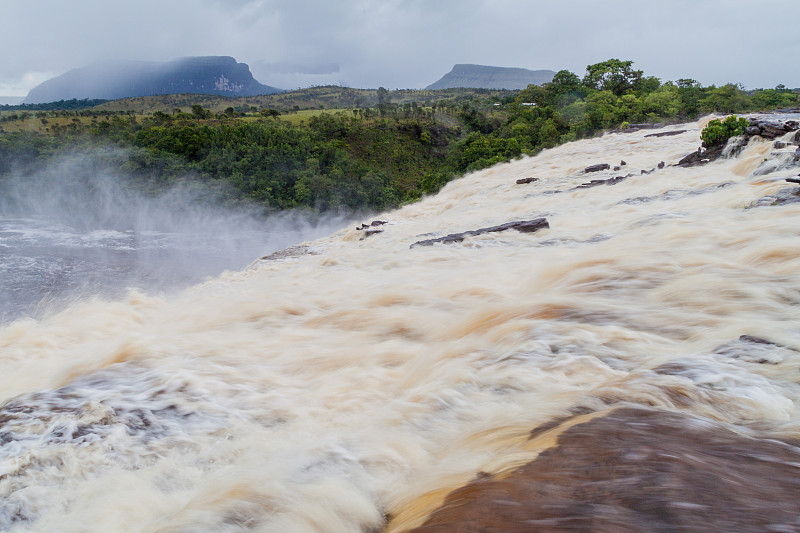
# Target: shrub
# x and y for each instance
(718, 132)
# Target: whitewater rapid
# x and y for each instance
(350, 385)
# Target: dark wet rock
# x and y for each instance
(596, 168)
(782, 197)
(675, 194)
(616, 168)
(552, 424)
(637, 469)
(701, 157)
(609, 181)
(757, 340)
(661, 165)
(646, 126)
(779, 145)
(523, 181)
(524, 226)
(756, 350)
(770, 130)
(735, 146)
(643, 171)
(793, 180)
(622, 163)
(632, 128)
(291, 251)
(371, 232)
(371, 224)
(666, 133)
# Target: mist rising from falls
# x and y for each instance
(350, 385)
(78, 229)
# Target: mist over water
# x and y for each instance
(78, 230)
(352, 384)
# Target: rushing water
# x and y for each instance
(350, 385)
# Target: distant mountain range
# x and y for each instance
(122, 79)
(484, 77)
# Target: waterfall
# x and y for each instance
(355, 383)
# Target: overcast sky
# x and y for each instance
(406, 43)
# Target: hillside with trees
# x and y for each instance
(339, 148)
(219, 75)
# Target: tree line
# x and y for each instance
(377, 157)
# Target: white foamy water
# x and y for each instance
(329, 390)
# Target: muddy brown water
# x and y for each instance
(362, 385)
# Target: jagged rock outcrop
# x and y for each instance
(123, 79)
(524, 226)
(770, 130)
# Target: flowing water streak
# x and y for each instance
(363, 381)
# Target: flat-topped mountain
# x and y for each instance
(220, 75)
(485, 77)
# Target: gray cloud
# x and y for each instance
(406, 43)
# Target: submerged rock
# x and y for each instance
(790, 195)
(636, 469)
(371, 224)
(524, 226)
(291, 251)
(609, 181)
(666, 133)
(523, 181)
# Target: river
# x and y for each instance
(582, 377)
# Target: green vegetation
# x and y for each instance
(717, 132)
(334, 147)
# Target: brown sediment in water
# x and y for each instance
(637, 470)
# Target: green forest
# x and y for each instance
(356, 149)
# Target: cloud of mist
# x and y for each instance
(78, 228)
(409, 43)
